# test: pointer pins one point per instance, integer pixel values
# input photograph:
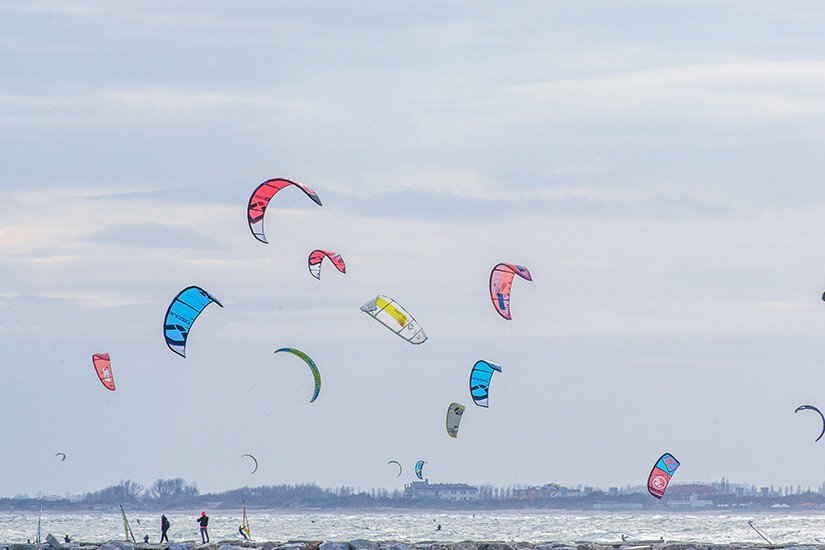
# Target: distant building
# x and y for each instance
(692, 502)
(443, 491)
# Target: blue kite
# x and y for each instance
(182, 312)
(480, 378)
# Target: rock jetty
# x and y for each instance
(397, 545)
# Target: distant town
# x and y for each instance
(179, 494)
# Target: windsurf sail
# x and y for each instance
(126, 528)
(454, 414)
(389, 313)
(400, 469)
(317, 256)
(316, 374)
(255, 460)
(812, 408)
(501, 279)
(419, 469)
(661, 473)
(39, 517)
(760, 532)
(480, 377)
(260, 200)
(245, 523)
(182, 312)
(103, 368)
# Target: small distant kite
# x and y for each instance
(316, 375)
(400, 469)
(480, 378)
(255, 460)
(419, 469)
(454, 413)
(260, 200)
(317, 256)
(555, 488)
(501, 279)
(61, 455)
(104, 370)
(180, 315)
(812, 408)
(389, 313)
(661, 473)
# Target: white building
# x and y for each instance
(443, 491)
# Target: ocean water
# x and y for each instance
(711, 527)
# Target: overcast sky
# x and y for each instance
(657, 165)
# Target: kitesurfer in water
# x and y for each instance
(243, 533)
(204, 521)
(164, 526)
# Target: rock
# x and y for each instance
(395, 546)
(179, 546)
(334, 546)
(495, 546)
(292, 546)
(266, 546)
(21, 547)
(363, 544)
(223, 546)
(465, 545)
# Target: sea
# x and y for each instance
(415, 526)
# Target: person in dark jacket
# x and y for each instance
(164, 526)
(204, 521)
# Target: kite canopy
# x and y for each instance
(480, 378)
(317, 256)
(454, 413)
(61, 455)
(400, 469)
(255, 460)
(315, 373)
(661, 473)
(501, 279)
(180, 315)
(260, 200)
(104, 370)
(812, 408)
(555, 487)
(419, 469)
(390, 314)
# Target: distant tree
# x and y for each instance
(124, 492)
(170, 490)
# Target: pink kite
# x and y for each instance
(501, 279)
(317, 256)
(104, 370)
(260, 200)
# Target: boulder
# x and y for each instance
(395, 546)
(495, 546)
(292, 546)
(21, 547)
(334, 546)
(179, 546)
(363, 544)
(224, 546)
(465, 545)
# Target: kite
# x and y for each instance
(315, 258)
(104, 370)
(260, 200)
(454, 412)
(501, 279)
(315, 373)
(555, 487)
(182, 312)
(255, 460)
(661, 473)
(400, 469)
(390, 314)
(419, 467)
(480, 381)
(812, 408)
(61, 455)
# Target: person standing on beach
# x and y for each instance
(164, 526)
(204, 521)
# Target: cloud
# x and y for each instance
(153, 235)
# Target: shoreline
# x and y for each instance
(363, 544)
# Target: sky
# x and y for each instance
(656, 165)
